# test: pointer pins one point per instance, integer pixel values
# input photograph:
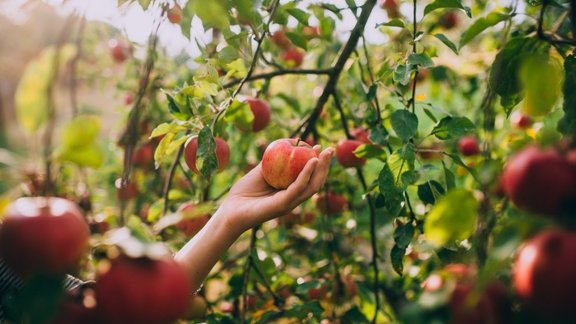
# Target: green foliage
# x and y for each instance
(567, 124)
(79, 143)
(444, 4)
(482, 24)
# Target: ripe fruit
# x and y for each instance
(293, 57)
(540, 181)
(544, 274)
(128, 99)
(449, 20)
(191, 223)
(175, 14)
(142, 291)
(392, 8)
(296, 217)
(331, 203)
(360, 134)
(143, 156)
(468, 146)
(43, 234)
(196, 308)
(222, 153)
(127, 193)
(119, 50)
(283, 161)
(281, 40)
(521, 121)
(345, 154)
(319, 292)
(262, 114)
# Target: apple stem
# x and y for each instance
(298, 141)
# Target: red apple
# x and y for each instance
(126, 193)
(262, 113)
(191, 223)
(490, 305)
(142, 291)
(222, 153)
(175, 14)
(296, 217)
(293, 57)
(392, 8)
(468, 146)
(331, 203)
(360, 134)
(281, 40)
(143, 156)
(521, 121)
(544, 274)
(128, 99)
(318, 293)
(119, 50)
(43, 234)
(540, 181)
(449, 20)
(345, 154)
(283, 161)
(197, 308)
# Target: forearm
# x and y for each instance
(202, 252)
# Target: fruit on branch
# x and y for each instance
(449, 20)
(142, 290)
(543, 274)
(296, 217)
(361, 134)
(143, 156)
(320, 292)
(197, 308)
(520, 120)
(331, 203)
(468, 146)
(283, 161)
(192, 222)
(119, 50)
(293, 57)
(345, 153)
(262, 114)
(222, 153)
(392, 8)
(540, 181)
(129, 192)
(280, 39)
(128, 98)
(43, 235)
(175, 14)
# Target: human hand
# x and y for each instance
(252, 201)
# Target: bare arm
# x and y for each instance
(251, 201)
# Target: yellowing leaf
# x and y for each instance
(78, 143)
(452, 219)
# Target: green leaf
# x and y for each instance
(393, 23)
(449, 177)
(397, 258)
(403, 235)
(447, 42)
(541, 80)
(421, 59)
(297, 40)
(368, 151)
(442, 4)
(392, 194)
(166, 128)
(452, 219)
(567, 125)
(174, 109)
(206, 154)
(378, 135)
(430, 191)
(240, 114)
(403, 72)
(236, 69)
(212, 13)
(145, 3)
(404, 123)
(300, 15)
(453, 127)
(78, 143)
(482, 24)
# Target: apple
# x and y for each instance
(539, 181)
(392, 8)
(119, 50)
(222, 153)
(43, 234)
(360, 134)
(191, 223)
(227, 307)
(296, 217)
(331, 203)
(345, 154)
(142, 290)
(175, 14)
(197, 308)
(311, 31)
(293, 57)
(521, 120)
(281, 40)
(283, 161)
(128, 98)
(449, 20)
(468, 146)
(143, 156)
(543, 274)
(127, 193)
(319, 292)
(262, 114)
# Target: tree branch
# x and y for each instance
(276, 73)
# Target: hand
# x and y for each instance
(252, 201)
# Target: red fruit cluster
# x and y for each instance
(540, 181)
(292, 56)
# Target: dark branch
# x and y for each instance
(273, 74)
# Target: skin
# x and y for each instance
(250, 202)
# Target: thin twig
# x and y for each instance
(171, 172)
(276, 73)
(246, 270)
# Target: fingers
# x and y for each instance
(317, 149)
(320, 174)
(299, 186)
